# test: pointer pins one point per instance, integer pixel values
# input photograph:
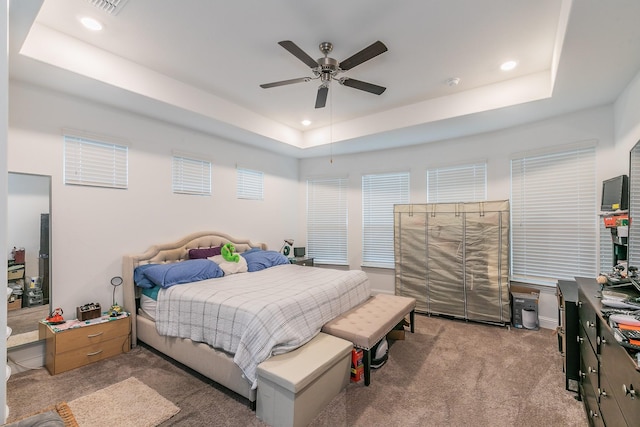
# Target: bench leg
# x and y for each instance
(412, 318)
(367, 367)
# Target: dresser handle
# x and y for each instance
(94, 353)
(602, 393)
(593, 414)
(581, 374)
(580, 339)
(592, 370)
(629, 390)
(590, 324)
(95, 335)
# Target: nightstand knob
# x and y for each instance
(629, 390)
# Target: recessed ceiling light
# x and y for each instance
(508, 66)
(91, 23)
(306, 122)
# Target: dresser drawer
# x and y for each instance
(81, 337)
(588, 367)
(623, 378)
(89, 354)
(611, 412)
(588, 318)
(591, 406)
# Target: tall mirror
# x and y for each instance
(28, 255)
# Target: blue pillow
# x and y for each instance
(140, 279)
(177, 273)
(259, 260)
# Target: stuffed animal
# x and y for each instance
(227, 252)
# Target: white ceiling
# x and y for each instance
(199, 64)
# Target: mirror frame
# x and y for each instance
(36, 338)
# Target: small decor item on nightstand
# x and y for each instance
(286, 248)
(55, 317)
(88, 311)
(115, 309)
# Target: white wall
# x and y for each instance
(92, 228)
(496, 148)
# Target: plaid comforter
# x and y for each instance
(256, 315)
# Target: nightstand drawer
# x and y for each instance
(89, 354)
(81, 337)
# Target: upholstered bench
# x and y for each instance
(366, 324)
(294, 387)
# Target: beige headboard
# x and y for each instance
(172, 252)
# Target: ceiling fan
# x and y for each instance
(327, 69)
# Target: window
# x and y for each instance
(553, 216)
(466, 183)
(327, 220)
(191, 176)
(249, 184)
(95, 163)
(379, 194)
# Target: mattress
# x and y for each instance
(256, 315)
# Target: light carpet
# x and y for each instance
(129, 402)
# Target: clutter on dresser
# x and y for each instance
(88, 311)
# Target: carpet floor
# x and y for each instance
(448, 373)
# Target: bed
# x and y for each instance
(224, 325)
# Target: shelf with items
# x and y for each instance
(15, 281)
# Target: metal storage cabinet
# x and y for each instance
(453, 258)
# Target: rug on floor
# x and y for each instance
(129, 402)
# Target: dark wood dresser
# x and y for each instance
(609, 375)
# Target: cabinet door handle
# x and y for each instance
(94, 353)
(95, 335)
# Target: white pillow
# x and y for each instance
(230, 267)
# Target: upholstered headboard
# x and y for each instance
(172, 252)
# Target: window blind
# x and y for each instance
(379, 194)
(327, 220)
(553, 216)
(95, 163)
(464, 183)
(250, 184)
(191, 176)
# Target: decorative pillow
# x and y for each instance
(140, 279)
(176, 273)
(201, 253)
(230, 267)
(259, 260)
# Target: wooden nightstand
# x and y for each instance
(302, 261)
(84, 342)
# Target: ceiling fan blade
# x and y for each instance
(285, 82)
(364, 55)
(367, 87)
(298, 53)
(321, 99)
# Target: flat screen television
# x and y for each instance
(615, 194)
